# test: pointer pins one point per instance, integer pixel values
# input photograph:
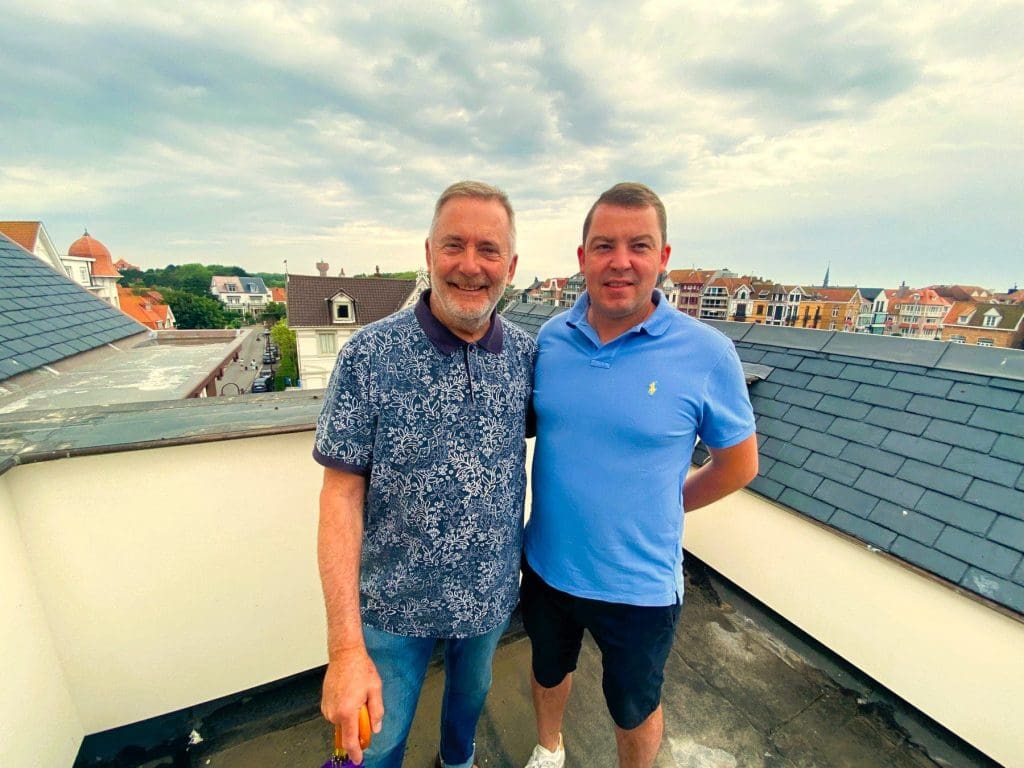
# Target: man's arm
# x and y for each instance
(728, 470)
(352, 678)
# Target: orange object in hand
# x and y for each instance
(365, 733)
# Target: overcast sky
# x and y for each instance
(883, 138)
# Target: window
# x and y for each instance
(962, 320)
(760, 309)
(342, 310)
(985, 342)
(991, 320)
(835, 312)
(326, 343)
(957, 339)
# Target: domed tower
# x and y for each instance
(103, 276)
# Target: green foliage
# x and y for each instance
(284, 338)
(272, 279)
(274, 311)
(191, 311)
(191, 278)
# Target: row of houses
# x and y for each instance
(957, 313)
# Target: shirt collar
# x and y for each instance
(445, 341)
(655, 324)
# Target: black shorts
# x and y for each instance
(634, 640)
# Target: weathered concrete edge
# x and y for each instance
(67, 432)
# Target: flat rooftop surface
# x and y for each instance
(163, 371)
(740, 690)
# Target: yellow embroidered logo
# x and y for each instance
(652, 388)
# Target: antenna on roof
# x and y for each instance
(828, 268)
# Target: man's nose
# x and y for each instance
(470, 261)
(620, 257)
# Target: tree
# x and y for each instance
(274, 311)
(193, 311)
(288, 367)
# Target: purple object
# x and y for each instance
(341, 762)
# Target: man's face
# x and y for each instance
(621, 261)
(469, 255)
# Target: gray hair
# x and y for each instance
(477, 190)
(629, 194)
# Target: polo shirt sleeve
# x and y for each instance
(346, 427)
(727, 417)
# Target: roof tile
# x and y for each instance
(842, 407)
(798, 397)
(956, 512)
(916, 447)
(922, 385)
(781, 360)
(940, 408)
(958, 434)
(979, 395)
(857, 431)
(842, 472)
(865, 374)
(995, 558)
(996, 497)
(929, 559)
(1008, 532)
(820, 367)
(983, 466)
(1008, 447)
(925, 475)
(816, 441)
(889, 488)
(862, 529)
(899, 420)
(998, 421)
(810, 506)
(765, 388)
(789, 378)
(785, 451)
(888, 398)
(872, 458)
(844, 497)
(906, 522)
(832, 386)
(766, 406)
(766, 487)
(775, 428)
(792, 477)
(999, 590)
(805, 417)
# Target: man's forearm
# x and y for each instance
(728, 470)
(339, 543)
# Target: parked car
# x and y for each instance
(262, 384)
(268, 357)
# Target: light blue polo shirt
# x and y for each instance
(616, 427)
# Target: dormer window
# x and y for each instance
(342, 309)
(962, 320)
(991, 319)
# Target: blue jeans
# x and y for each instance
(402, 664)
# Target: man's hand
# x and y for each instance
(351, 682)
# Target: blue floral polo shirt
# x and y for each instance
(437, 425)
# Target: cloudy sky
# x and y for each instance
(883, 138)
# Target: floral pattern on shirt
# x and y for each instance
(441, 437)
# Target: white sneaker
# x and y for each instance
(542, 758)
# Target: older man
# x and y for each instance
(422, 440)
(624, 386)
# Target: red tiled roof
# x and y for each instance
(279, 295)
(374, 298)
(24, 233)
(147, 308)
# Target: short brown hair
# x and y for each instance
(630, 194)
(477, 190)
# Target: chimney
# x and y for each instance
(322, 267)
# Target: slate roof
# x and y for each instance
(232, 284)
(530, 317)
(914, 447)
(374, 298)
(46, 317)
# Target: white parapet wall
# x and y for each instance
(39, 724)
(954, 658)
(168, 577)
